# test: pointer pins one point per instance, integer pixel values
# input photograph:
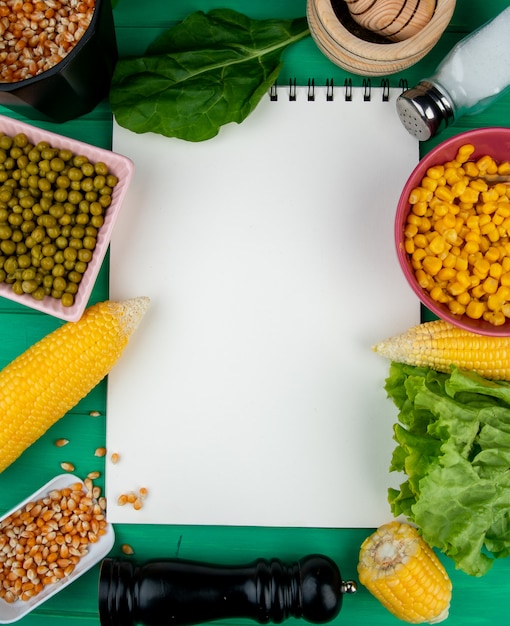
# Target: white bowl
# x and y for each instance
(123, 168)
(11, 612)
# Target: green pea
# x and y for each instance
(79, 160)
(70, 254)
(57, 164)
(82, 219)
(67, 299)
(47, 263)
(57, 210)
(5, 142)
(59, 283)
(44, 184)
(105, 201)
(61, 242)
(80, 266)
(65, 154)
(5, 231)
(49, 249)
(17, 288)
(75, 196)
(39, 293)
(89, 242)
(84, 255)
(75, 174)
(11, 265)
(58, 270)
(24, 261)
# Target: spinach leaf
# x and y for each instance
(209, 70)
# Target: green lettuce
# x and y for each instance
(453, 447)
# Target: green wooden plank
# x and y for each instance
(476, 602)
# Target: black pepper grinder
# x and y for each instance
(178, 592)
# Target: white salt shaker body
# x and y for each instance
(470, 78)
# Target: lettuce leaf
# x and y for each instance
(453, 447)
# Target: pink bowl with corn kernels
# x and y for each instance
(492, 141)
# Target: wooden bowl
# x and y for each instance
(359, 51)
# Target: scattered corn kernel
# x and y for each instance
(93, 475)
(67, 467)
(100, 452)
(115, 457)
(95, 413)
(127, 549)
(60, 443)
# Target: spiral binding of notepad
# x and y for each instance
(332, 90)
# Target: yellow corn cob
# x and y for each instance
(52, 376)
(439, 345)
(404, 574)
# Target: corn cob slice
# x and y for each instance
(52, 376)
(400, 569)
(439, 345)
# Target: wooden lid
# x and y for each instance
(347, 45)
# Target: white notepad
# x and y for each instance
(250, 394)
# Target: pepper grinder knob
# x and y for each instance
(181, 592)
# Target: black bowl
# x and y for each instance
(78, 83)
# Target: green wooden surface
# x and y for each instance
(476, 602)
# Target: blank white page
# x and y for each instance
(250, 394)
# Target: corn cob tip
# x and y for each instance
(129, 312)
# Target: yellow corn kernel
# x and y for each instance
(410, 230)
(435, 172)
(504, 168)
(490, 195)
(446, 274)
(429, 183)
(413, 219)
(486, 164)
(470, 196)
(419, 194)
(490, 285)
(464, 153)
(456, 307)
(437, 245)
(459, 187)
(464, 298)
(424, 279)
(437, 294)
(444, 193)
(471, 169)
(420, 241)
(52, 376)
(431, 264)
(479, 185)
(409, 246)
(475, 309)
(471, 247)
(402, 571)
(481, 268)
(425, 225)
(461, 263)
(493, 254)
(420, 208)
(496, 270)
(496, 318)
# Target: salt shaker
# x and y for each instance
(470, 78)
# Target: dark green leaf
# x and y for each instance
(209, 70)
